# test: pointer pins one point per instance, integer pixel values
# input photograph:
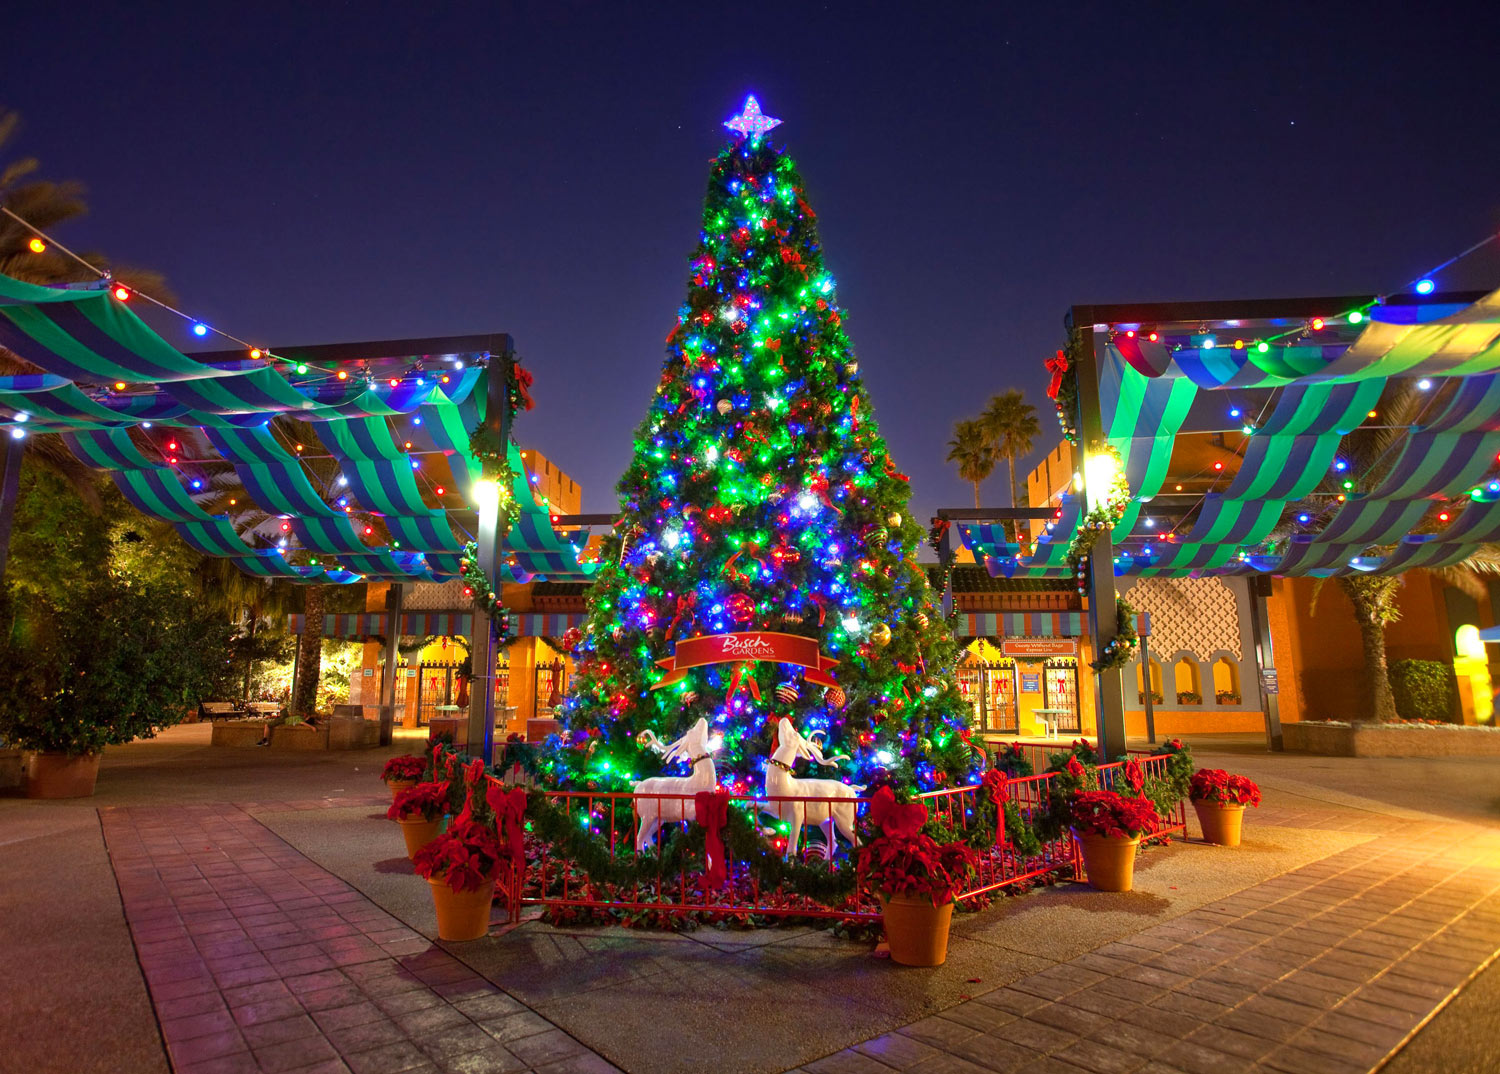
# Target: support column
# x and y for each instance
(1265, 661)
(1109, 685)
(388, 684)
(486, 643)
(1146, 687)
(10, 485)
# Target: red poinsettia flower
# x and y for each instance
(407, 767)
(1074, 768)
(1107, 813)
(1135, 775)
(426, 800)
(466, 857)
(1217, 785)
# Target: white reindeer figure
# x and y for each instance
(781, 782)
(695, 747)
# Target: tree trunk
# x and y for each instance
(309, 654)
(1377, 678)
(1015, 523)
(249, 657)
(976, 494)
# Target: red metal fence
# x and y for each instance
(550, 881)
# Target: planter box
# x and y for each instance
(237, 732)
(1390, 740)
(12, 765)
(299, 737)
(353, 734)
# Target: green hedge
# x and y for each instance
(1424, 689)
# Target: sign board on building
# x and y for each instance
(1268, 680)
(1039, 647)
(411, 673)
(1031, 684)
(369, 673)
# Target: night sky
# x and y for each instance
(335, 172)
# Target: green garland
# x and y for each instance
(1116, 652)
(484, 597)
(590, 852)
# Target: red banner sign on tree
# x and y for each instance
(756, 645)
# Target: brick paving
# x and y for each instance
(258, 960)
(1323, 970)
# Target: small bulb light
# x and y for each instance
(1425, 287)
(36, 245)
(200, 329)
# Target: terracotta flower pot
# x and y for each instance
(916, 931)
(399, 785)
(418, 832)
(60, 775)
(1109, 863)
(1221, 821)
(462, 915)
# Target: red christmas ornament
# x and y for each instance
(834, 695)
(787, 694)
(740, 607)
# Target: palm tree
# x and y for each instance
(45, 205)
(1010, 423)
(972, 449)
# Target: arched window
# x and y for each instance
(1185, 678)
(1226, 681)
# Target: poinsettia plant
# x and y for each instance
(406, 767)
(1108, 814)
(426, 800)
(1226, 788)
(465, 857)
(902, 859)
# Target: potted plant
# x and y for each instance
(403, 773)
(1108, 829)
(462, 866)
(100, 664)
(1219, 798)
(916, 877)
(420, 810)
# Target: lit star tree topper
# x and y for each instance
(764, 562)
(751, 122)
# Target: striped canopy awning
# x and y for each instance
(439, 624)
(190, 440)
(1289, 502)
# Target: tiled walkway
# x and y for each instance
(1323, 970)
(259, 960)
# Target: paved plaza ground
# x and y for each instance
(216, 911)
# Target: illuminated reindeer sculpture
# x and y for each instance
(781, 782)
(695, 747)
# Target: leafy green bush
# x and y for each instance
(1424, 689)
(102, 662)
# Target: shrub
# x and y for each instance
(1424, 689)
(405, 767)
(426, 800)
(1156, 698)
(903, 860)
(1227, 697)
(104, 662)
(1189, 697)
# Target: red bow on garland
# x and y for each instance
(510, 817)
(897, 820)
(994, 783)
(713, 814)
(738, 679)
(1057, 367)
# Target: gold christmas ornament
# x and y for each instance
(894, 520)
(880, 634)
(723, 406)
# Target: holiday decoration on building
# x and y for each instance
(1062, 389)
(764, 566)
(1110, 505)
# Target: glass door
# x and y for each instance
(999, 691)
(1060, 693)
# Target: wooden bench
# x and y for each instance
(217, 710)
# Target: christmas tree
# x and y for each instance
(765, 562)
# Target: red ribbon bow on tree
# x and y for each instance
(713, 814)
(994, 783)
(896, 820)
(1057, 367)
(737, 679)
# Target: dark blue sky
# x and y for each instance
(329, 172)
